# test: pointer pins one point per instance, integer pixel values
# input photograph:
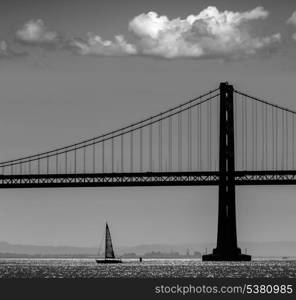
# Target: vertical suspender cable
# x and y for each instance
(200, 138)
(283, 140)
(189, 139)
(94, 157)
(121, 152)
(103, 156)
(57, 163)
(208, 136)
(75, 158)
(150, 145)
(84, 159)
(38, 165)
(263, 139)
(218, 132)
(266, 137)
(246, 132)
(131, 151)
(276, 139)
(272, 135)
(287, 140)
(141, 149)
(293, 141)
(253, 136)
(170, 143)
(197, 138)
(256, 136)
(235, 129)
(160, 143)
(243, 132)
(112, 154)
(180, 140)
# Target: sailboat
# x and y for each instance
(109, 252)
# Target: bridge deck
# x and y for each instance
(145, 179)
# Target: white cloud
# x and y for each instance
(7, 52)
(292, 21)
(210, 33)
(36, 32)
(3, 48)
(95, 45)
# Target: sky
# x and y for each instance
(74, 69)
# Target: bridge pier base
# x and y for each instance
(226, 257)
(226, 249)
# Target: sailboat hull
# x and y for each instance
(109, 261)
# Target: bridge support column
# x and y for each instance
(227, 249)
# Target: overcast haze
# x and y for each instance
(64, 76)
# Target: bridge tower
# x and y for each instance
(227, 249)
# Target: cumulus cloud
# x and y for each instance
(209, 34)
(7, 52)
(292, 21)
(35, 32)
(3, 48)
(95, 45)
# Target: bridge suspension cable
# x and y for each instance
(144, 139)
(180, 145)
(267, 135)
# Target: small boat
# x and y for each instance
(109, 252)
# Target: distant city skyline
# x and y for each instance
(60, 84)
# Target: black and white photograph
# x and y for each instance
(151, 140)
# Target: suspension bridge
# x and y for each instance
(222, 138)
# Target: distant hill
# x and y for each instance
(45, 250)
(286, 248)
(254, 248)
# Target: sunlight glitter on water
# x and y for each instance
(87, 268)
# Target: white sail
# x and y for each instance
(109, 252)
